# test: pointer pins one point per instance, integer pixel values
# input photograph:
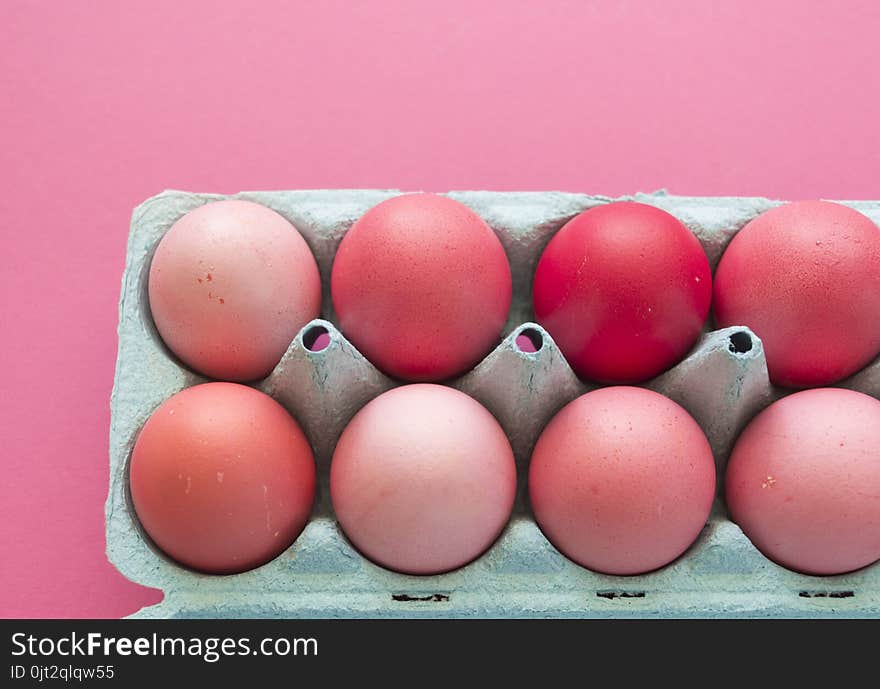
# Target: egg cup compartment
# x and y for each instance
(723, 383)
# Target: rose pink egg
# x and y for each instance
(222, 478)
(805, 277)
(803, 481)
(423, 479)
(231, 283)
(622, 480)
(624, 289)
(421, 286)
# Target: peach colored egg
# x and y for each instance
(622, 480)
(423, 479)
(230, 285)
(421, 286)
(222, 478)
(803, 481)
(805, 277)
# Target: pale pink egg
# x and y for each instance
(803, 481)
(231, 283)
(423, 479)
(222, 478)
(622, 480)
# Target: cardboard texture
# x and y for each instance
(723, 383)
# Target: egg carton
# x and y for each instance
(723, 383)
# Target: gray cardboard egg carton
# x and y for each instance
(723, 383)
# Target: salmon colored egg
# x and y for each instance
(222, 478)
(803, 481)
(421, 286)
(624, 289)
(805, 277)
(622, 480)
(231, 283)
(423, 479)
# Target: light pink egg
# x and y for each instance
(803, 481)
(423, 479)
(622, 480)
(231, 283)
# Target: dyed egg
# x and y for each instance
(803, 481)
(622, 480)
(421, 286)
(222, 478)
(805, 277)
(231, 283)
(624, 289)
(423, 479)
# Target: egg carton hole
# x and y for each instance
(614, 595)
(429, 598)
(316, 338)
(529, 341)
(740, 342)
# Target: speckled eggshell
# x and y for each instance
(805, 277)
(422, 287)
(622, 480)
(423, 479)
(624, 289)
(803, 481)
(230, 285)
(222, 478)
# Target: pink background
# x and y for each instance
(103, 104)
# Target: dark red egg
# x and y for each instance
(624, 289)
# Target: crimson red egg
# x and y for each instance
(222, 478)
(805, 277)
(622, 480)
(423, 479)
(624, 289)
(422, 287)
(230, 285)
(803, 481)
